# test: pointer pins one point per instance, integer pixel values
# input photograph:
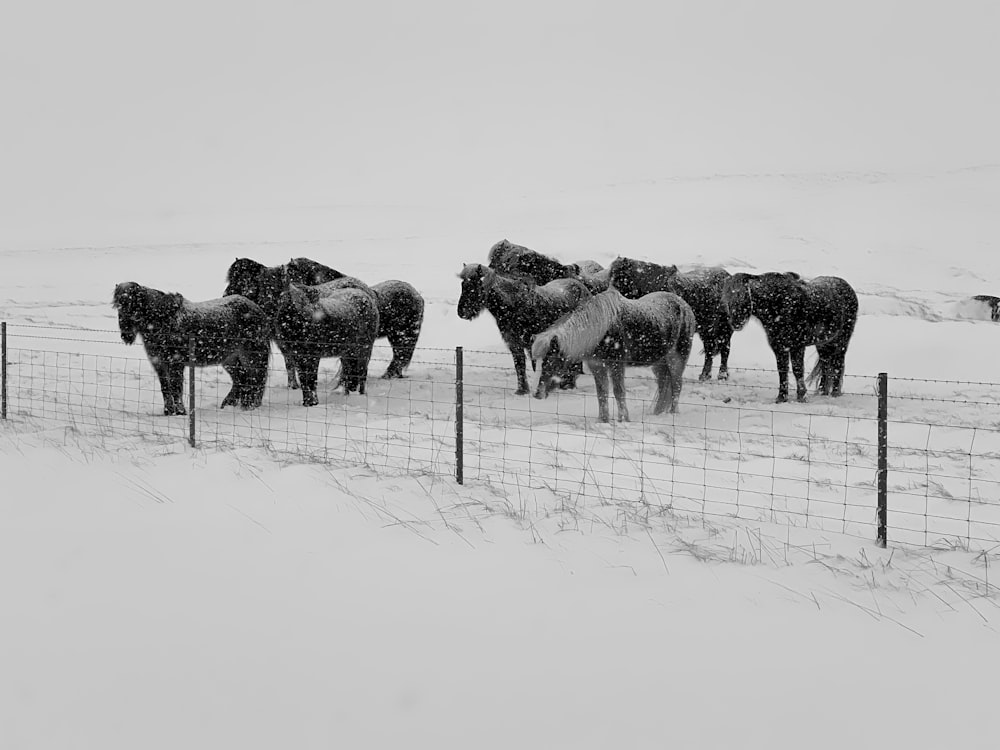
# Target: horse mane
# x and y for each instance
(581, 331)
(311, 272)
(243, 267)
(130, 295)
(630, 267)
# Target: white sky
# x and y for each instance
(114, 106)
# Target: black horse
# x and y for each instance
(328, 320)
(511, 260)
(521, 309)
(797, 313)
(264, 285)
(231, 331)
(701, 288)
(611, 332)
(401, 307)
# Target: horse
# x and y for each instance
(701, 288)
(312, 322)
(611, 332)
(401, 307)
(797, 313)
(510, 260)
(231, 331)
(993, 303)
(520, 308)
(264, 285)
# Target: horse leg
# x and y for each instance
(235, 370)
(308, 367)
(403, 344)
(257, 368)
(600, 372)
(724, 356)
(781, 359)
(618, 383)
(177, 386)
(706, 371)
(798, 355)
(517, 352)
(348, 372)
(837, 371)
(163, 376)
(362, 360)
(675, 369)
(290, 366)
(663, 386)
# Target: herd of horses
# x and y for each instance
(633, 313)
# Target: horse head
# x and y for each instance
(242, 277)
(476, 282)
(553, 363)
(737, 299)
(141, 309)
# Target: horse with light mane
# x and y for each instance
(611, 332)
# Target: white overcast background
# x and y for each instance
(116, 114)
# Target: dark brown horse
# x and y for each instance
(401, 307)
(701, 288)
(521, 309)
(313, 322)
(797, 313)
(231, 331)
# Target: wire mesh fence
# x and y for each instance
(727, 452)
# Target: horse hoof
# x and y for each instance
(723, 376)
(706, 376)
(567, 386)
(521, 392)
(781, 400)
(802, 400)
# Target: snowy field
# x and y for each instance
(314, 578)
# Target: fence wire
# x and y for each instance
(727, 452)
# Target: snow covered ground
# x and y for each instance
(255, 592)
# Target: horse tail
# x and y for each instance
(815, 372)
(686, 329)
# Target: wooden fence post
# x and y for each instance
(459, 417)
(191, 419)
(3, 369)
(883, 459)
